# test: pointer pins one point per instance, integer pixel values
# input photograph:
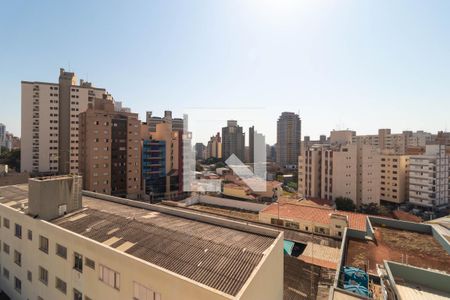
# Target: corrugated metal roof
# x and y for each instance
(219, 257)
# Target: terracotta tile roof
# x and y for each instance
(318, 215)
(404, 216)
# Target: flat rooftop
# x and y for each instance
(409, 247)
(216, 256)
(413, 290)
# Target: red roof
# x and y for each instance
(404, 216)
(320, 215)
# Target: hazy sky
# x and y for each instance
(341, 64)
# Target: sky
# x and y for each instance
(353, 64)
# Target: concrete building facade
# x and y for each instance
(394, 178)
(110, 152)
(162, 161)
(214, 147)
(398, 143)
(233, 141)
(49, 128)
(176, 123)
(340, 169)
(288, 139)
(429, 178)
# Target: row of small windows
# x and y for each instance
(106, 275)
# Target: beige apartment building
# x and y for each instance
(340, 169)
(394, 178)
(369, 174)
(162, 150)
(396, 142)
(49, 126)
(214, 147)
(96, 246)
(110, 152)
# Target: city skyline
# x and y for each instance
(338, 66)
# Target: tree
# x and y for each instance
(292, 184)
(12, 159)
(370, 209)
(219, 165)
(343, 203)
(198, 167)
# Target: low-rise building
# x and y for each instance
(319, 220)
(59, 244)
(393, 259)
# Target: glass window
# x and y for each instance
(6, 273)
(43, 244)
(61, 285)
(90, 263)
(77, 295)
(17, 285)
(30, 235)
(141, 292)
(18, 231)
(6, 248)
(6, 222)
(43, 275)
(61, 251)
(17, 258)
(110, 277)
(78, 262)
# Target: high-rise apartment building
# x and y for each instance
(200, 151)
(429, 178)
(176, 123)
(214, 147)
(257, 150)
(50, 141)
(369, 174)
(251, 145)
(394, 178)
(288, 139)
(398, 143)
(233, 141)
(162, 161)
(110, 157)
(307, 142)
(340, 169)
(2, 134)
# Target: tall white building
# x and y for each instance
(50, 123)
(429, 178)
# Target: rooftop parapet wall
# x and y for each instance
(435, 280)
(411, 226)
(402, 225)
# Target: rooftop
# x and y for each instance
(315, 214)
(217, 256)
(410, 247)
